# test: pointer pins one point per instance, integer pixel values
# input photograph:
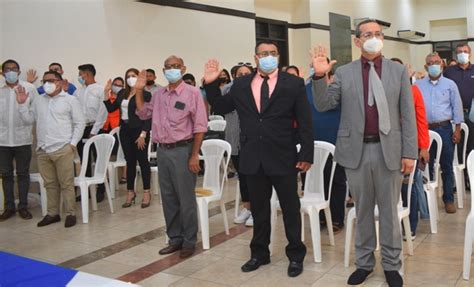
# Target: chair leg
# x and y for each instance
(273, 222)
(459, 186)
(406, 226)
(327, 213)
(349, 229)
(112, 180)
(302, 225)
(109, 195)
(315, 234)
(154, 183)
(237, 199)
(377, 234)
(44, 197)
(224, 217)
(84, 202)
(432, 209)
(93, 189)
(467, 248)
(204, 219)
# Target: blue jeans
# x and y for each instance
(416, 190)
(446, 161)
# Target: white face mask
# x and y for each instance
(132, 81)
(49, 88)
(463, 58)
(373, 45)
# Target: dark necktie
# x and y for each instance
(264, 94)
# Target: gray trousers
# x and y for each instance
(177, 186)
(373, 183)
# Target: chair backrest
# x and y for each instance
(213, 151)
(120, 155)
(314, 183)
(465, 130)
(470, 172)
(434, 136)
(104, 144)
(215, 117)
(217, 125)
(150, 152)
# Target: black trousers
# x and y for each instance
(93, 153)
(338, 192)
(260, 191)
(132, 154)
(244, 190)
(21, 155)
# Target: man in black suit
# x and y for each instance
(268, 103)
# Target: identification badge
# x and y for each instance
(179, 105)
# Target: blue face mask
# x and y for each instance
(268, 64)
(81, 80)
(11, 77)
(173, 75)
(434, 70)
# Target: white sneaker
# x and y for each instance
(249, 221)
(243, 216)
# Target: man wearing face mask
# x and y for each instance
(462, 73)
(443, 105)
(376, 142)
(57, 67)
(179, 122)
(15, 142)
(150, 81)
(268, 102)
(91, 95)
(59, 125)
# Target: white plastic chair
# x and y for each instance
(432, 184)
(403, 216)
(313, 199)
(113, 165)
(217, 125)
(104, 144)
(36, 177)
(469, 231)
(213, 152)
(215, 117)
(458, 167)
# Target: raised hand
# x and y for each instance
(21, 94)
(211, 71)
(319, 56)
(107, 90)
(31, 76)
(141, 81)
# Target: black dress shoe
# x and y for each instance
(186, 252)
(254, 264)
(70, 221)
(393, 278)
(24, 213)
(47, 220)
(358, 277)
(295, 268)
(7, 214)
(170, 249)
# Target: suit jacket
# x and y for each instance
(347, 92)
(268, 138)
(133, 120)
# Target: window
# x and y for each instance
(276, 31)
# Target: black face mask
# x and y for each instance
(223, 80)
(149, 83)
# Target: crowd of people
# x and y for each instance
(375, 110)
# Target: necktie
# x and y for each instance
(377, 95)
(264, 94)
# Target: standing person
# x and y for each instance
(376, 142)
(134, 135)
(91, 95)
(113, 118)
(179, 122)
(267, 102)
(151, 86)
(56, 67)
(443, 105)
(462, 73)
(15, 142)
(59, 125)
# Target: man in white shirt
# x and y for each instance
(15, 142)
(59, 125)
(151, 86)
(91, 97)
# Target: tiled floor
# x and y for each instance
(125, 245)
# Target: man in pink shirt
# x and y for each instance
(179, 122)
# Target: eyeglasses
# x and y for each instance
(173, 66)
(368, 35)
(6, 70)
(267, 53)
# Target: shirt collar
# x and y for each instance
(178, 89)
(436, 82)
(377, 61)
(271, 76)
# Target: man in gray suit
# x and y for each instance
(376, 142)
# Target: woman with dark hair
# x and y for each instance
(293, 70)
(134, 135)
(224, 78)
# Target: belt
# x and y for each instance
(439, 124)
(176, 144)
(371, 139)
(90, 124)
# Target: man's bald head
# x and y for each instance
(173, 59)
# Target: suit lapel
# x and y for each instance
(359, 83)
(276, 92)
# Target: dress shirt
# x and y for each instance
(371, 112)
(91, 98)
(70, 89)
(465, 81)
(421, 121)
(442, 100)
(176, 114)
(13, 131)
(58, 120)
(124, 110)
(257, 82)
(152, 89)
